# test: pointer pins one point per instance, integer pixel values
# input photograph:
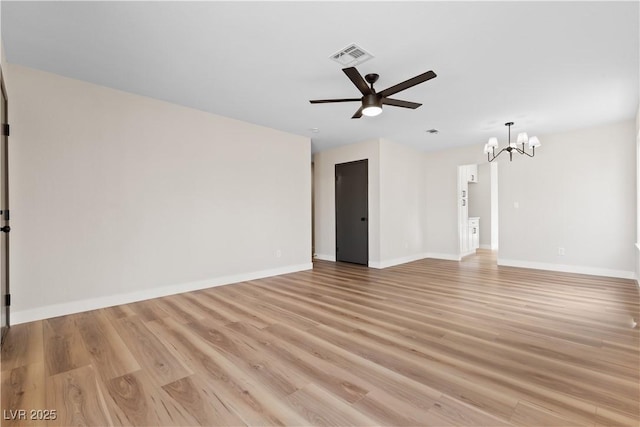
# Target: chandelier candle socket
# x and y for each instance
(517, 145)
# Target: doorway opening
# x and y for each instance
(478, 220)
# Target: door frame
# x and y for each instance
(335, 213)
(4, 213)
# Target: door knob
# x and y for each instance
(363, 219)
(5, 229)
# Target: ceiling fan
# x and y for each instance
(371, 100)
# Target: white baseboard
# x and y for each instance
(485, 247)
(325, 257)
(464, 254)
(449, 257)
(56, 310)
(578, 269)
(396, 261)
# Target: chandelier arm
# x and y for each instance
(523, 151)
(496, 155)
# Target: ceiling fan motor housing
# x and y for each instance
(372, 100)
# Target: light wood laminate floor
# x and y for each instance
(426, 343)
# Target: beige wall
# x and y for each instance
(116, 197)
(579, 194)
(402, 204)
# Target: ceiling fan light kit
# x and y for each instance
(372, 105)
(521, 140)
(371, 100)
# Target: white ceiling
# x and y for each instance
(548, 66)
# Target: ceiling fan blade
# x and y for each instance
(358, 113)
(400, 103)
(357, 80)
(408, 83)
(324, 101)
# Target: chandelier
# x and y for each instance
(521, 140)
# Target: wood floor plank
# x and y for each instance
(339, 381)
(77, 398)
(276, 375)
(202, 402)
(388, 408)
(109, 354)
(426, 371)
(527, 413)
(431, 342)
(64, 349)
(275, 313)
(321, 408)
(23, 389)
(161, 366)
(144, 404)
(147, 310)
(240, 390)
(118, 311)
(23, 346)
(368, 375)
(462, 413)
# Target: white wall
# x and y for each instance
(324, 191)
(116, 197)
(480, 203)
(638, 195)
(441, 219)
(402, 204)
(578, 193)
(495, 208)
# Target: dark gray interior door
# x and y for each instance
(4, 211)
(352, 211)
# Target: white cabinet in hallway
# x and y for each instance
(474, 233)
(472, 173)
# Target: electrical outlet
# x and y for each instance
(561, 251)
(278, 253)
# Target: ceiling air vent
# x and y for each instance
(351, 55)
(433, 131)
